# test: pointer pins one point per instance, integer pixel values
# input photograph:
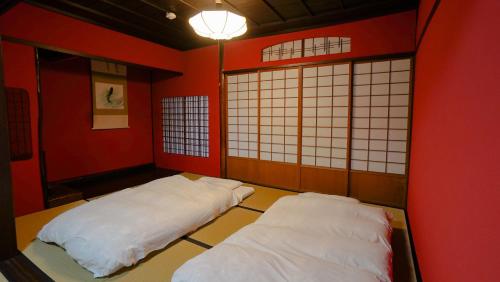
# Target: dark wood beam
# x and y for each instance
(8, 243)
(240, 12)
(276, 12)
(306, 7)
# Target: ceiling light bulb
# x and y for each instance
(170, 15)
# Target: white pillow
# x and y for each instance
(221, 182)
(332, 197)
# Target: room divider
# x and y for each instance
(338, 127)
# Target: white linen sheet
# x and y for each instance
(301, 238)
(118, 230)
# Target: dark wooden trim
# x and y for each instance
(250, 209)
(222, 111)
(403, 55)
(196, 242)
(427, 22)
(416, 266)
(105, 175)
(20, 268)
(41, 151)
(81, 54)
(8, 242)
(153, 136)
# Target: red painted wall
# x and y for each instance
(376, 36)
(424, 11)
(19, 71)
(45, 27)
(200, 79)
(454, 184)
(71, 147)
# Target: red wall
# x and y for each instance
(51, 29)
(71, 147)
(376, 36)
(424, 11)
(19, 71)
(200, 79)
(454, 184)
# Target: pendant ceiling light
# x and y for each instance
(218, 24)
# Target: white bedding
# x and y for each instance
(301, 238)
(118, 230)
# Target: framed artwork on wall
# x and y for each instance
(109, 96)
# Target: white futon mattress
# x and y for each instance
(308, 237)
(118, 230)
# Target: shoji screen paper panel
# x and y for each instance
(242, 115)
(325, 127)
(279, 115)
(381, 96)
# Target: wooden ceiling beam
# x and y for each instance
(240, 12)
(276, 12)
(306, 7)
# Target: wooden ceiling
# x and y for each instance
(146, 18)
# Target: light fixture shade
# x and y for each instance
(218, 24)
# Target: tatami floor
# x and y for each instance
(160, 265)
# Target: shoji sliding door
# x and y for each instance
(381, 99)
(325, 128)
(338, 128)
(275, 161)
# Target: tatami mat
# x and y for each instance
(158, 266)
(264, 197)
(28, 226)
(225, 225)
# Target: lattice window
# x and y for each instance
(325, 112)
(185, 125)
(243, 115)
(279, 115)
(380, 116)
(18, 116)
(326, 45)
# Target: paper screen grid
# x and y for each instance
(279, 115)
(325, 113)
(196, 121)
(185, 125)
(242, 113)
(380, 116)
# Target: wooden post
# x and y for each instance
(8, 243)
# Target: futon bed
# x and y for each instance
(118, 230)
(307, 237)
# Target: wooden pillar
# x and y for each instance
(8, 243)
